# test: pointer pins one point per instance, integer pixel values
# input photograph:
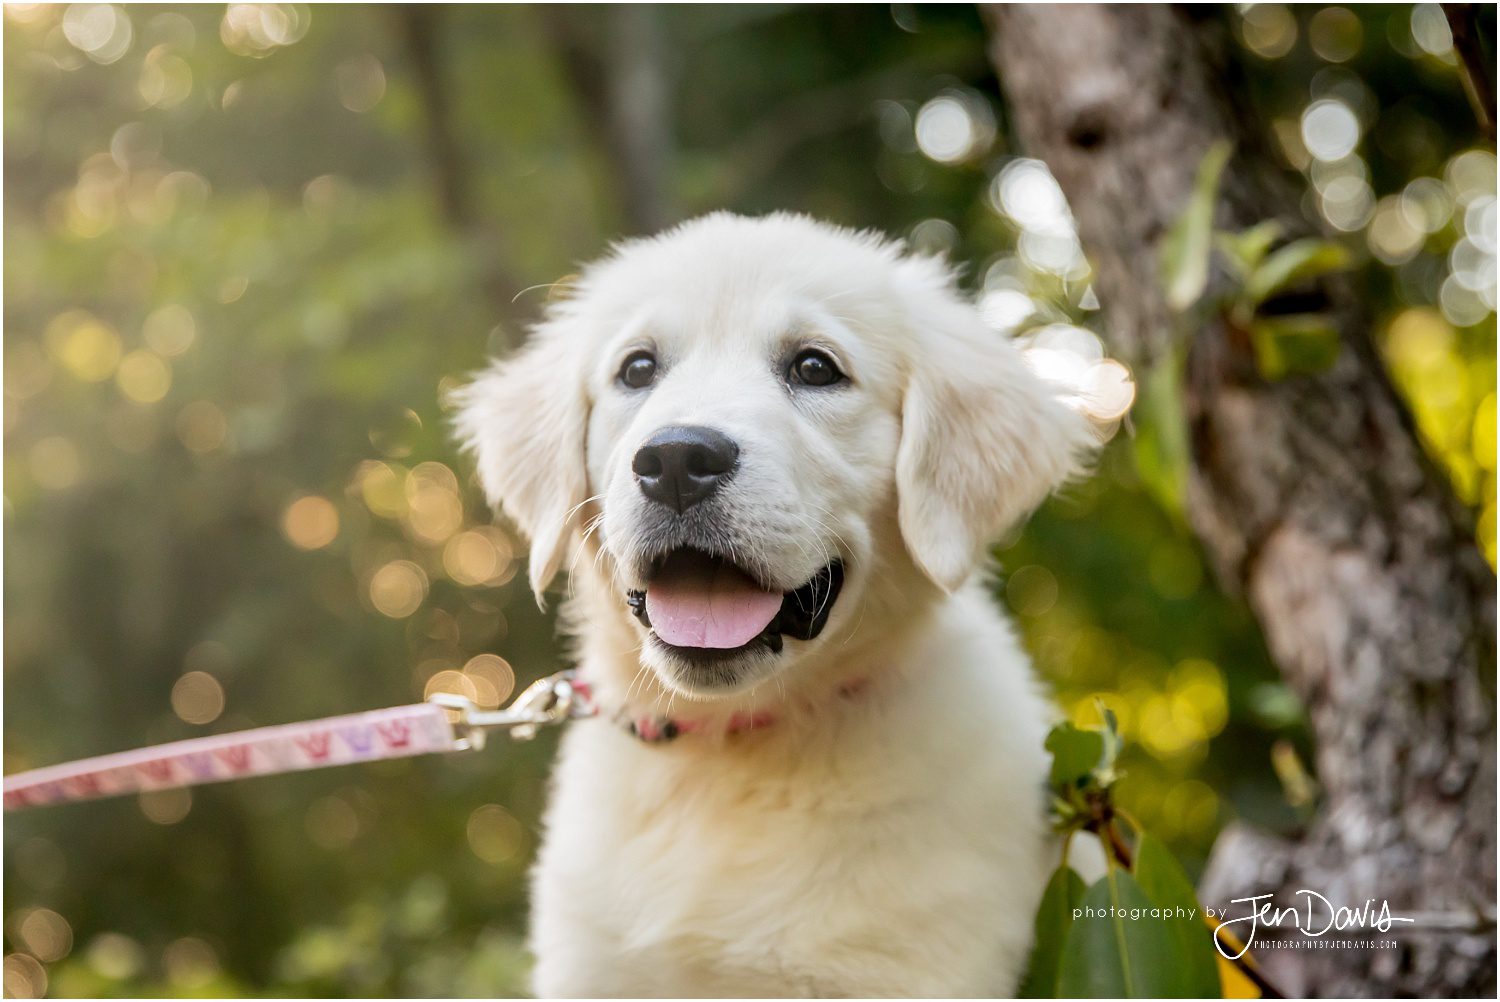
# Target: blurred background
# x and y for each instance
(248, 248)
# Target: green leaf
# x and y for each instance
(1185, 251)
(1116, 949)
(1053, 919)
(1299, 344)
(1296, 262)
(1075, 753)
(1113, 743)
(1168, 887)
(1246, 249)
(1161, 442)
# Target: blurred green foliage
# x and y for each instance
(248, 248)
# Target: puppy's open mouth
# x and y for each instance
(707, 608)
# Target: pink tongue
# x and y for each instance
(699, 602)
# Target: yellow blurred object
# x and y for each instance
(310, 522)
(84, 346)
(480, 556)
(1484, 433)
(492, 677)
(144, 377)
(1300, 786)
(170, 329)
(1234, 982)
(383, 487)
(1454, 406)
(398, 589)
(198, 698)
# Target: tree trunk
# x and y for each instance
(420, 28)
(1313, 498)
(618, 64)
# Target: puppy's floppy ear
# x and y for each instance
(526, 419)
(983, 439)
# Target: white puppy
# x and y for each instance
(772, 453)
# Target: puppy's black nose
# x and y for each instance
(681, 465)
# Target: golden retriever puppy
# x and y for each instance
(771, 454)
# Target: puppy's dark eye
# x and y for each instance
(813, 368)
(639, 370)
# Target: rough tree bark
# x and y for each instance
(1312, 496)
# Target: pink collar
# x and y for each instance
(658, 729)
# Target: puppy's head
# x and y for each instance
(749, 421)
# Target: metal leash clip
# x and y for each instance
(555, 699)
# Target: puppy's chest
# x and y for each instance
(786, 862)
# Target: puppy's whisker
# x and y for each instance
(568, 517)
(640, 674)
(588, 531)
(855, 629)
(828, 528)
(592, 525)
(825, 558)
(532, 288)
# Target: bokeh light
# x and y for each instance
(1006, 309)
(310, 522)
(398, 589)
(361, 83)
(1267, 29)
(452, 682)
(115, 956)
(1330, 130)
(84, 346)
(101, 31)
(47, 935)
(25, 978)
(166, 79)
(1025, 192)
(492, 679)
(190, 963)
(479, 556)
(1031, 590)
(1072, 359)
(144, 377)
(333, 822)
(1335, 34)
(257, 29)
(434, 511)
(1429, 28)
(495, 836)
(955, 126)
(383, 487)
(170, 329)
(198, 698)
(165, 807)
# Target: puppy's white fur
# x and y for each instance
(893, 842)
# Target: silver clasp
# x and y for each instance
(551, 700)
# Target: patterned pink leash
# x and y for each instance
(446, 723)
